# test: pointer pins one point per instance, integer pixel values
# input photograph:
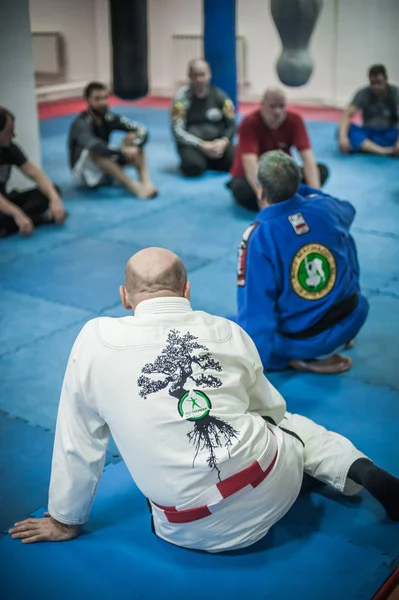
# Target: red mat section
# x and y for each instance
(48, 110)
(389, 587)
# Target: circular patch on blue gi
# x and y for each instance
(313, 272)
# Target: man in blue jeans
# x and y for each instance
(379, 103)
(298, 275)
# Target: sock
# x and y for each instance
(380, 484)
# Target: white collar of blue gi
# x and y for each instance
(276, 210)
(163, 305)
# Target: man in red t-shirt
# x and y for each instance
(272, 127)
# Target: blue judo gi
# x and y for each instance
(298, 279)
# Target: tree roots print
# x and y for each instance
(175, 366)
(211, 433)
(179, 362)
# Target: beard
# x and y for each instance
(99, 112)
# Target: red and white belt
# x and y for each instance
(212, 499)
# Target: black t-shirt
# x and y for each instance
(12, 155)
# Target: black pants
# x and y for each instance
(194, 162)
(245, 196)
(32, 202)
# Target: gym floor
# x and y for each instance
(327, 547)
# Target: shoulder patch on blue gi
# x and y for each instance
(242, 255)
(298, 223)
(313, 272)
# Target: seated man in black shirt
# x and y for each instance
(203, 123)
(22, 211)
(92, 161)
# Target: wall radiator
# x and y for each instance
(187, 47)
(48, 53)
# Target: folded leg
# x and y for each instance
(243, 193)
(327, 455)
(193, 161)
(223, 163)
(334, 460)
(363, 139)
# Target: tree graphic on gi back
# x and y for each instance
(177, 363)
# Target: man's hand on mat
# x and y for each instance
(344, 144)
(45, 529)
(57, 211)
(24, 224)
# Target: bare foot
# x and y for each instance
(147, 191)
(350, 344)
(388, 151)
(333, 365)
(151, 191)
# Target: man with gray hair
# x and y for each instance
(204, 434)
(298, 275)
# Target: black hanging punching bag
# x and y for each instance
(295, 21)
(129, 45)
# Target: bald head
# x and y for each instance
(274, 109)
(197, 64)
(199, 73)
(273, 93)
(154, 272)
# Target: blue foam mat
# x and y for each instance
(23, 449)
(91, 211)
(367, 414)
(375, 251)
(85, 275)
(32, 377)
(377, 344)
(326, 547)
(191, 232)
(214, 287)
(122, 558)
(393, 287)
(360, 520)
(25, 465)
(25, 319)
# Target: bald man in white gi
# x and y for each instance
(204, 434)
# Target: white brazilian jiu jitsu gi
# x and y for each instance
(183, 393)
